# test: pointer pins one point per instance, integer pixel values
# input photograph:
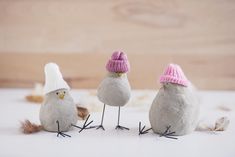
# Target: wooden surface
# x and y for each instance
(135, 26)
(80, 35)
(87, 70)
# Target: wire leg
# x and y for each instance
(142, 131)
(118, 115)
(118, 125)
(60, 132)
(102, 119)
(168, 133)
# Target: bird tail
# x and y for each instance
(82, 112)
(28, 128)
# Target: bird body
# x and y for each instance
(175, 109)
(114, 90)
(174, 106)
(58, 113)
(54, 109)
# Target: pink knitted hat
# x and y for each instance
(118, 63)
(174, 74)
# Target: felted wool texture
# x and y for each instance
(114, 90)
(53, 78)
(54, 109)
(118, 63)
(176, 106)
(174, 74)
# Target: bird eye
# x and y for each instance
(57, 93)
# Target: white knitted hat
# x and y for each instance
(53, 78)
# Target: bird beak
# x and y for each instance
(164, 87)
(61, 96)
(119, 74)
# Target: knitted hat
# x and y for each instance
(53, 78)
(118, 63)
(174, 74)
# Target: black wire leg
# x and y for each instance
(142, 131)
(76, 126)
(85, 125)
(102, 119)
(60, 132)
(168, 133)
(119, 126)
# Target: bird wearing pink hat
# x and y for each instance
(115, 89)
(175, 109)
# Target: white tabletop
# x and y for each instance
(111, 142)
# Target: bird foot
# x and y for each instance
(168, 133)
(100, 127)
(85, 125)
(62, 134)
(142, 131)
(121, 127)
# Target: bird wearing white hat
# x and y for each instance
(58, 113)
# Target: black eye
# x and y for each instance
(57, 93)
(64, 92)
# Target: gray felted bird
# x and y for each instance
(175, 110)
(115, 89)
(58, 112)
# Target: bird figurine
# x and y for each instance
(115, 89)
(175, 109)
(58, 113)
